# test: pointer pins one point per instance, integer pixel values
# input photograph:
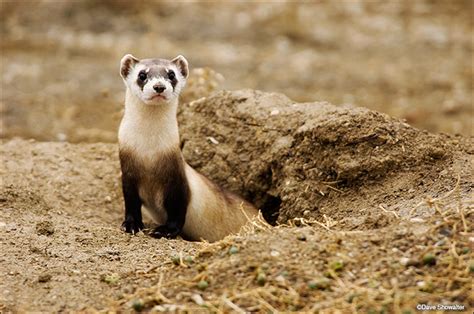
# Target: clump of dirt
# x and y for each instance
(378, 216)
(316, 159)
(45, 228)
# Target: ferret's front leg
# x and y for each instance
(133, 213)
(176, 199)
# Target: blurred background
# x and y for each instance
(60, 59)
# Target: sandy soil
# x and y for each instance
(368, 213)
(383, 233)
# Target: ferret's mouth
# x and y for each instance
(158, 97)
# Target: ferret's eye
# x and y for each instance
(142, 75)
(171, 75)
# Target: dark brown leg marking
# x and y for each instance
(167, 175)
(176, 198)
(133, 214)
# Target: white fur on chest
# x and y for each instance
(148, 129)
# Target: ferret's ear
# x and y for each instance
(126, 64)
(182, 65)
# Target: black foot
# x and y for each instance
(165, 231)
(132, 226)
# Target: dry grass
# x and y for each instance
(310, 266)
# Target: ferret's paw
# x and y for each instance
(132, 226)
(165, 231)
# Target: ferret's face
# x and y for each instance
(154, 81)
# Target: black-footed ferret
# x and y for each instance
(154, 173)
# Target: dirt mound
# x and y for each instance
(316, 159)
(356, 176)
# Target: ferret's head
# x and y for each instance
(154, 81)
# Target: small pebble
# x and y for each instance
(429, 259)
(197, 299)
(446, 232)
(233, 250)
(175, 259)
(280, 279)
(301, 237)
(320, 284)
(261, 279)
(44, 228)
(202, 285)
(212, 140)
(137, 305)
(425, 286)
(158, 308)
(405, 261)
(44, 278)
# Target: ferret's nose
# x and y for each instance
(159, 88)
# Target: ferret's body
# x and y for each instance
(154, 173)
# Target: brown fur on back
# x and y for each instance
(214, 212)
